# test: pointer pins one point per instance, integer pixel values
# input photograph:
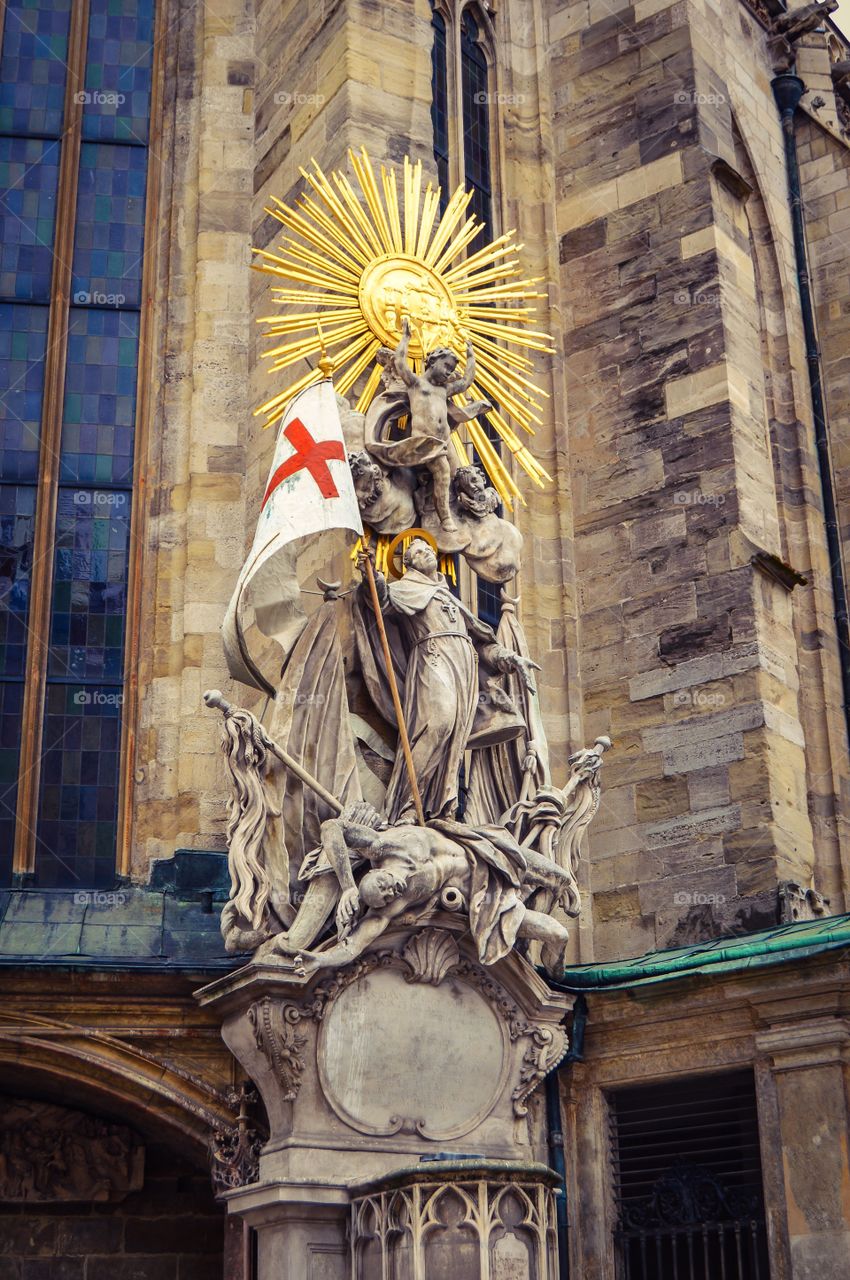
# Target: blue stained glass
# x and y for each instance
(89, 584)
(29, 176)
(78, 808)
(107, 269)
(11, 706)
(17, 526)
(33, 66)
(118, 70)
(100, 397)
(23, 343)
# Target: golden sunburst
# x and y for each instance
(363, 263)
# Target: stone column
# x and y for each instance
(809, 1066)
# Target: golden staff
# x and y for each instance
(388, 659)
(327, 367)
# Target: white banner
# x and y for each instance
(309, 491)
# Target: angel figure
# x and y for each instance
(426, 398)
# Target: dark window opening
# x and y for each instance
(475, 101)
(440, 105)
(687, 1181)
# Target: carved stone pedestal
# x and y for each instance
(413, 1051)
(462, 1220)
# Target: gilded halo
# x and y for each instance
(356, 265)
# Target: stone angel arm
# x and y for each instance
(457, 385)
(399, 364)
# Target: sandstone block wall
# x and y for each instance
(687, 407)
(637, 152)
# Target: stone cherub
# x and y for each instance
(444, 864)
(431, 416)
(475, 498)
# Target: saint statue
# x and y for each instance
(448, 652)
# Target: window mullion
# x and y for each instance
(51, 433)
(141, 466)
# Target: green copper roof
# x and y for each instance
(127, 927)
(721, 955)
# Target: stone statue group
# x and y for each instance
(403, 771)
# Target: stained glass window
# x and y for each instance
(118, 70)
(100, 397)
(17, 522)
(33, 67)
(79, 784)
(107, 268)
(440, 105)
(23, 344)
(29, 177)
(88, 419)
(475, 103)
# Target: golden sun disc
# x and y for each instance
(400, 285)
(355, 264)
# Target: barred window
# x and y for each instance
(76, 79)
(688, 1180)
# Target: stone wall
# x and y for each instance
(194, 475)
(788, 1024)
(684, 424)
(172, 1229)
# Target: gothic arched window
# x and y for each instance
(462, 93)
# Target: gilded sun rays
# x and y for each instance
(356, 263)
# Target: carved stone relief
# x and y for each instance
(50, 1154)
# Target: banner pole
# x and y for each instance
(402, 727)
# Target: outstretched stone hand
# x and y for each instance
(522, 667)
(347, 912)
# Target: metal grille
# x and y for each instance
(688, 1181)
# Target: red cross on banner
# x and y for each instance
(316, 509)
(310, 455)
